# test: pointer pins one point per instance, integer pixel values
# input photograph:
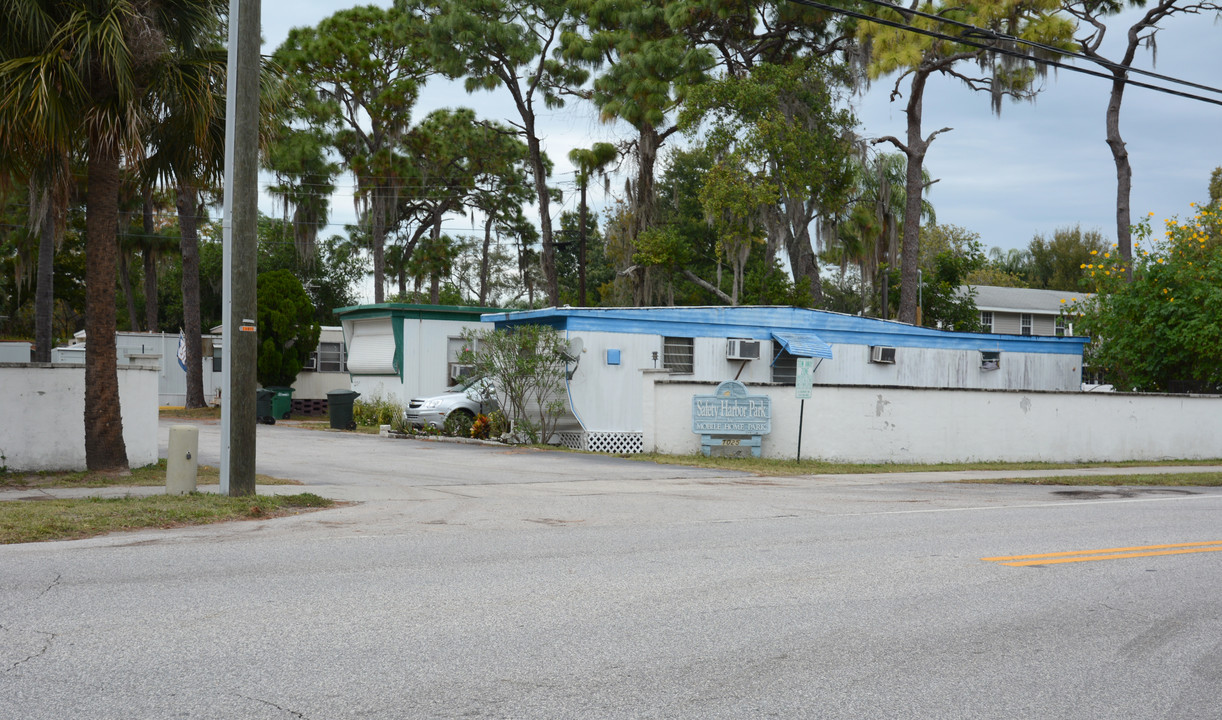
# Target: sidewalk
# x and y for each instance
(855, 479)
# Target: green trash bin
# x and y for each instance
(263, 406)
(282, 402)
(339, 408)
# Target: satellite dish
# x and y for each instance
(572, 351)
(572, 354)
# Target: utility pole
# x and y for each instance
(239, 341)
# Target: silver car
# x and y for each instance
(470, 398)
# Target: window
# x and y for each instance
(455, 369)
(1062, 326)
(785, 368)
(216, 357)
(330, 357)
(677, 354)
(986, 321)
(1026, 323)
(990, 359)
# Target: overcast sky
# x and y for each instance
(1036, 167)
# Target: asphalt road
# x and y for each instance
(494, 583)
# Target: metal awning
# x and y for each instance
(803, 344)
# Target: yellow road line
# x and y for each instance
(1106, 554)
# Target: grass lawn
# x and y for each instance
(149, 476)
(775, 467)
(1201, 479)
(71, 518)
(23, 521)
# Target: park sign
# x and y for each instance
(731, 411)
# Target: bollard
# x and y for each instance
(182, 464)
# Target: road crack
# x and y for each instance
(294, 713)
(50, 638)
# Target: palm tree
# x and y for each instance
(188, 145)
(91, 70)
(588, 162)
(870, 229)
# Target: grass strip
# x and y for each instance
(148, 476)
(776, 467)
(1201, 479)
(70, 519)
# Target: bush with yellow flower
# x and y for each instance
(1155, 322)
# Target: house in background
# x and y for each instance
(15, 351)
(324, 371)
(616, 347)
(398, 351)
(1024, 311)
(159, 350)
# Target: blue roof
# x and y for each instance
(762, 322)
(803, 345)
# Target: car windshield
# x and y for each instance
(466, 384)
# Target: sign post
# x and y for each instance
(804, 383)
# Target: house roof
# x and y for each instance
(760, 323)
(1026, 300)
(418, 312)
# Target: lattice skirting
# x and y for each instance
(309, 407)
(616, 443)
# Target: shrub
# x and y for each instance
(526, 364)
(376, 410)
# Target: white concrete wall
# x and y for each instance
(42, 426)
(887, 424)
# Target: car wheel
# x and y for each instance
(458, 423)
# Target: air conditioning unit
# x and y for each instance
(882, 354)
(458, 372)
(990, 359)
(740, 349)
(311, 362)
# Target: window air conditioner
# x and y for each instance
(311, 362)
(882, 354)
(739, 349)
(458, 372)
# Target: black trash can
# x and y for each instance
(339, 408)
(263, 406)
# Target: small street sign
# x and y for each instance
(804, 383)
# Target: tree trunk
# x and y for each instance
(804, 264)
(377, 232)
(104, 446)
(125, 281)
(44, 293)
(484, 268)
(581, 251)
(1124, 172)
(151, 311)
(188, 206)
(647, 158)
(910, 251)
(545, 217)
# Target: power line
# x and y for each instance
(993, 35)
(1000, 50)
